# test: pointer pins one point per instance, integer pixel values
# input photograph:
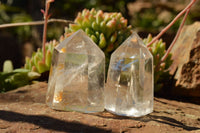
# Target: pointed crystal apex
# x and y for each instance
(129, 87)
(76, 80)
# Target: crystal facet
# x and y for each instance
(129, 87)
(76, 81)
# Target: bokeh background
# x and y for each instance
(146, 16)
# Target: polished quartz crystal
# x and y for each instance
(76, 81)
(129, 87)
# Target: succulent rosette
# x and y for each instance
(108, 31)
(158, 50)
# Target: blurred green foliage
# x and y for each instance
(24, 32)
(11, 79)
(154, 19)
(70, 8)
(12, 14)
(149, 19)
(12, 11)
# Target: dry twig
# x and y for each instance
(35, 23)
(170, 24)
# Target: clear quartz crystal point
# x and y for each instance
(77, 75)
(130, 83)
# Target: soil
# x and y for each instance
(24, 110)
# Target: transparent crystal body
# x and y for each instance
(77, 75)
(129, 86)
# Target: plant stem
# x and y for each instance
(174, 40)
(45, 29)
(35, 23)
(176, 37)
(170, 24)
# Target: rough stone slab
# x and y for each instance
(181, 49)
(24, 110)
(186, 60)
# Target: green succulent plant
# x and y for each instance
(11, 79)
(158, 49)
(36, 63)
(108, 31)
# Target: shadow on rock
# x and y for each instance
(172, 122)
(49, 122)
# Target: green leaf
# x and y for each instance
(94, 38)
(21, 70)
(33, 75)
(102, 42)
(7, 66)
(48, 58)
(42, 67)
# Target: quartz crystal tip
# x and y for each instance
(76, 81)
(129, 87)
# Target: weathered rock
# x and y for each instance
(186, 56)
(24, 110)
